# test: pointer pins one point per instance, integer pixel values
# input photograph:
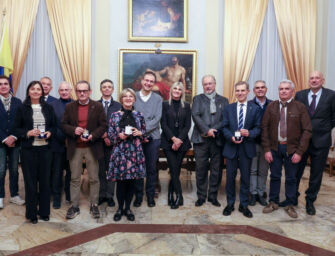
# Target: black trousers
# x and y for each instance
(107, 187)
(208, 158)
(36, 165)
(318, 162)
(175, 159)
(124, 192)
(59, 164)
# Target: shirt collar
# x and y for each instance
(317, 94)
(85, 103)
(239, 103)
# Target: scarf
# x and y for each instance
(212, 105)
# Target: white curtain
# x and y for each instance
(330, 75)
(269, 63)
(42, 59)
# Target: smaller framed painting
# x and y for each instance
(158, 20)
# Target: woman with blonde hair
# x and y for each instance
(175, 123)
(125, 130)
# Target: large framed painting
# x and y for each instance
(158, 20)
(170, 66)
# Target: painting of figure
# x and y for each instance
(158, 20)
(169, 66)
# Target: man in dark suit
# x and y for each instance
(107, 187)
(286, 130)
(207, 113)
(9, 146)
(59, 161)
(241, 125)
(320, 103)
(47, 87)
(84, 123)
(259, 166)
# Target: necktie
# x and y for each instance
(312, 106)
(106, 107)
(240, 117)
(282, 123)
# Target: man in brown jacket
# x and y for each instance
(286, 131)
(84, 123)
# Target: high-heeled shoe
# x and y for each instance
(170, 194)
(179, 201)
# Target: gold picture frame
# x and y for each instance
(134, 62)
(158, 20)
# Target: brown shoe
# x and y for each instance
(291, 212)
(270, 207)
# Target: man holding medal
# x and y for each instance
(84, 123)
(241, 126)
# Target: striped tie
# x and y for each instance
(240, 117)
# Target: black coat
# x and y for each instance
(24, 123)
(168, 120)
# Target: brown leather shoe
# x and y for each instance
(272, 206)
(291, 212)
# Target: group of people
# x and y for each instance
(119, 142)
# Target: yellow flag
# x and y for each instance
(6, 61)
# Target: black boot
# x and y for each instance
(170, 194)
(179, 201)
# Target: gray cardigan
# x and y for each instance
(152, 112)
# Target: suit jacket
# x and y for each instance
(114, 106)
(267, 102)
(58, 142)
(299, 127)
(96, 125)
(50, 99)
(169, 117)
(252, 123)
(7, 118)
(202, 118)
(24, 122)
(323, 119)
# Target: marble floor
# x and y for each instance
(188, 230)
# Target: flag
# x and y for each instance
(6, 61)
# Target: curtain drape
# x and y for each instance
(242, 28)
(296, 21)
(71, 28)
(269, 62)
(20, 17)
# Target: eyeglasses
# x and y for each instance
(82, 91)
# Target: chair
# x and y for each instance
(331, 155)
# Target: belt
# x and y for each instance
(282, 142)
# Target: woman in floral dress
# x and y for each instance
(126, 129)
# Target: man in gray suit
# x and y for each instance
(207, 115)
(320, 103)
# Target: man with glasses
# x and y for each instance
(59, 161)
(207, 115)
(84, 123)
(150, 105)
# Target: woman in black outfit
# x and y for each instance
(35, 122)
(175, 122)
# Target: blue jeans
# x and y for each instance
(151, 152)
(281, 157)
(13, 160)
